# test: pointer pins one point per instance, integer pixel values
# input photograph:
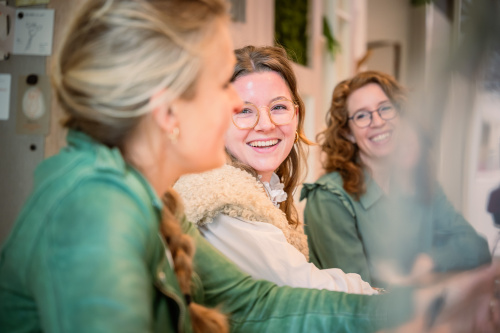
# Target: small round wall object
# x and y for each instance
(33, 103)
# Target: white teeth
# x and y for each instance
(381, 137)
(267, 143)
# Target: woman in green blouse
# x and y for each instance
(375, 211)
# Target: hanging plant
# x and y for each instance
(420, 2)
(290, 28)
(332, 44)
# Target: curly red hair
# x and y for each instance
(341, 154)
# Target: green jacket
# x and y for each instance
(380, 232)
(85, 256)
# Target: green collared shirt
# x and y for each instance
(380, 235)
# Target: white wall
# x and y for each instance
(482, 179)
(388, 20)
(258, 28)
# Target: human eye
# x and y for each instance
(386, 108)
(278, 107)
(360, 115)
(281, 107)
(246, 111)
(387, 111)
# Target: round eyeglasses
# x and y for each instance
(364, 118)
(281, 112)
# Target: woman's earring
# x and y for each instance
(296, 137)
(174, 135)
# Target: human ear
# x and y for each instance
(162, 112)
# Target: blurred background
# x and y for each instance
(443, 51)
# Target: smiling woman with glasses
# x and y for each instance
(280, 112)
(246, 209)
(376, 209)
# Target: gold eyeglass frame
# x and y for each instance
(296, 106)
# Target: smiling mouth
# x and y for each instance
(381, 137)
(264, 144)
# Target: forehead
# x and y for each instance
(261, 87)
(367, 97)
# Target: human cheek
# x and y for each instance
(235, 141)
(356, 134)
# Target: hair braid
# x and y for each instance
(182, 248)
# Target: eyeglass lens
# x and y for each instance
(281, 113)
(364, 118)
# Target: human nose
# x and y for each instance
(264, 123)
(377, 120)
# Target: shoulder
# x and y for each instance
(226, 179)
(220, 191)
(330, 183)
(326, 190)
(90, 190)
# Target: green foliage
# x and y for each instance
(420, 2)
(290, 28)
(332, 44)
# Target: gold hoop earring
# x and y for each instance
(174, 135)
(296, 137)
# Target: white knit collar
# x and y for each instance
(274, 190)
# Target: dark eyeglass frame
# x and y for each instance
(378, 110)
(268, 107)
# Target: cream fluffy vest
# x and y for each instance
(236, 193)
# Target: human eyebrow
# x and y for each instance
(279, 98)
(378, 105)
(360, 109)
(385, 102)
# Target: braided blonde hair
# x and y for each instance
(182, 248)
(118, 54)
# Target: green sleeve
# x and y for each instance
(90, 272)
(261, 306)
(333, 237)
(456, 244)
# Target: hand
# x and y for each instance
(421, 273)
(471, 303)
(467, 305)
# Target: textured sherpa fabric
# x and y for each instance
(236, 193)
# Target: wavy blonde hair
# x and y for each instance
(116, 56)
(341, 154)
(252, 59)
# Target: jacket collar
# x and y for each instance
(110, 160)
(373, 192)
(235, 193)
